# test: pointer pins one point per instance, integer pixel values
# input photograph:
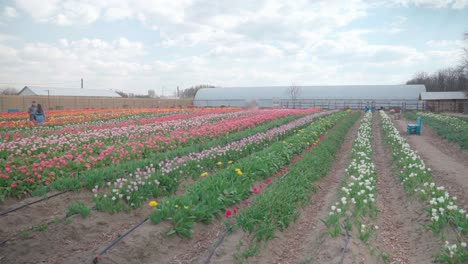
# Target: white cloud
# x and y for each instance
(450, 44)
(264, 42)
(102, 63)
(38, 9)
(188, 23)
(455, 4)
(10, 12)
(397, 25)
(247, 50)
(6, 37)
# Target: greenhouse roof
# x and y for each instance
(365, 92)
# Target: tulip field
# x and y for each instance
(228, 185)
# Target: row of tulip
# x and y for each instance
(9, 121)
(210, 196)
(153, 181)
(446, 217)
(107, 123)
(356, 205)
(99, 176)
(40, 160)
(451, 128)
(73, 136)
(29, 172)
(280, 201)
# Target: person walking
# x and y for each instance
(32, 111)
(40, 115)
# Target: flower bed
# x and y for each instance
(32, 166)
(216, 192)
(278, 204)
(446, 217)
(356, 205)
(132, 190)
(451, 128)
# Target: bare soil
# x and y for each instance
(15, 222)
(76, 242)
(149, 244)
(304, 241)
(448, 162)
(304, 235)
(400, 217)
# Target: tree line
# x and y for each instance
(446, 80)
(192, 91)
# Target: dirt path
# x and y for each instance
(448, 163)
(38, 213)
(294, 242)
(149, 244)
(76, 242)
(400, 233)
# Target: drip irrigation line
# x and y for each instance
(47, 224)
(31, 203)
(343, 251)
(213, 249)
(115, 241)
(220, 240)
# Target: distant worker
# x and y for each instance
(40, 115)
(32, 111)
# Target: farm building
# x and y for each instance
(332, 97)
(45, 91)
(445, 101)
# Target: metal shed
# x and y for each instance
(445, 101)
(353, 96)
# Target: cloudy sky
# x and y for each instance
(138, 45)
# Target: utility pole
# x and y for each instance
(48, 98)
(81, 83)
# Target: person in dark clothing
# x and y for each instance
(40, 115)
(32, 111)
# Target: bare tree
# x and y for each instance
(294, 91)
(151, 94)
(9, 91)
(464, 66)
(192, 91)
(449, 79)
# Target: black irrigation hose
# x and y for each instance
(31, 203)
(115, 241)
(213, 249)
(47, 224)
(343, 251)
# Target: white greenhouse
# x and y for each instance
(331, 97)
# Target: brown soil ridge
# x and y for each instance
(76, 242)
(295, 242)
(448, 163)
(400, 233)
(40, 213)
(150, 244)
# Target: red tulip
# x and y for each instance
(228, 213)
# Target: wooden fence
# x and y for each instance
(73, 102)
